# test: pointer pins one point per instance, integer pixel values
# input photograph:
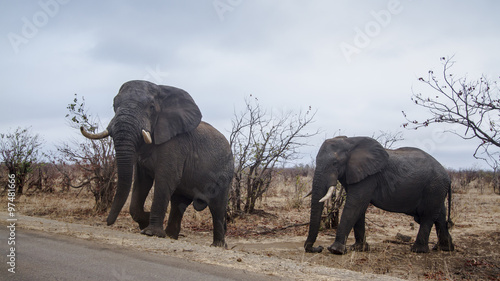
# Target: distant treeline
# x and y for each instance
(47, 177)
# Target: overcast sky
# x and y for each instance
(356, 62)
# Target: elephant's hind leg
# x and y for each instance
(218, 211)
(421, 244)
(445, 242)
(179, 204)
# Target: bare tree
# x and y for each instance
(472, 105)
(259, 142)
(19, 152)
(94, 160)
(388, 139)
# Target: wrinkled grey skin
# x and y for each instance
(188, 160)
(405, 180)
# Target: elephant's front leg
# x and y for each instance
(350, 215)
(359, 234)
(358, 199)
(161, 198)
(142, 186)
(178, 205)
(421, 244)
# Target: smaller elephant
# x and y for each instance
(406, 180)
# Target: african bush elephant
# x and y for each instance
(406, 180)
(159, 137)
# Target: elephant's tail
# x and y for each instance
(449, 222)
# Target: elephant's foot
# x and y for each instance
(417, 248)
(311, 249)
(360, 247)
(221, 244)
(154, 231)
(172, 235)
(337, 248)
(444, 246)
(143, 224)
(173, 231)
(142, 220)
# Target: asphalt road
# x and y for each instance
(42, 256)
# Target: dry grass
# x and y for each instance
(277, 230)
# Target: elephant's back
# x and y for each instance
(205, 129)
(208, 142)
(206, 134)
(417, 161)
(412, 153)
(411, 178)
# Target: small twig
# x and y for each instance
(381, 226)
(397, 242)
(281, 228)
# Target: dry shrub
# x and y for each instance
(465, 179)
(300, 187)
(57, 205)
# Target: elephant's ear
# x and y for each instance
(178, 114)
(368, 157)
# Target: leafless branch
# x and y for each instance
(260, 141)
(472, 105)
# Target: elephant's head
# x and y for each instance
(348, 160)
(145, 113)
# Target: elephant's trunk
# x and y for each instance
(125, 168)
(125, 142)
(320, 186)
(125, 171)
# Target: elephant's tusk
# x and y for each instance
(328, 194)
(147, 137)
(100, 135)
(308, 194)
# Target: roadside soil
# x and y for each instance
(271, 240)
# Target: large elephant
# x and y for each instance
(406, 180)
(159, 137)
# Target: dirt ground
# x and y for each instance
(271, 241)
